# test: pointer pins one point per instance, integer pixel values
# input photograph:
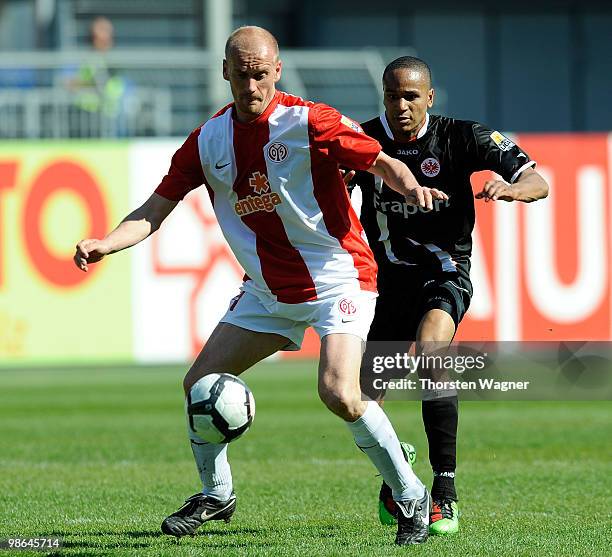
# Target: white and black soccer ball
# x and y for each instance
(220, 408)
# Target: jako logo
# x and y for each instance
(264, 201)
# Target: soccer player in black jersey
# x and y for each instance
(424, 256)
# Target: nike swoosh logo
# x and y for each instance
(219, 167)
(207, 514)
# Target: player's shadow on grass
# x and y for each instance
(77, 554)
(66, 534)
(229, 532)
(265, 536)
(102, 541)
(109, 543)
(111, 539)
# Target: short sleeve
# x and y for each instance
(491, 150)
(185, 172)
(341, 138)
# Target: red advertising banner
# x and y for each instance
(542, 270)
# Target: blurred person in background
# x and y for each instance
(424, 255)
(98, 91)
(270, 162)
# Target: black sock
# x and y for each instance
(440, 418)
(444, 486)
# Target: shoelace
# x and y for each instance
(191, 503)
(446, 510)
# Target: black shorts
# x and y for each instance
(406, 294)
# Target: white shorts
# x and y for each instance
(350, 311)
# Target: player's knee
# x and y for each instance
(191, 377)
(208, 361)
(437, 327)
(188, 382)
(344, 402)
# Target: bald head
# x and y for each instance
(251, 39)
(253, 68)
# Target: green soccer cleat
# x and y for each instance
(444, 518)
(409, 453)
(387, 509)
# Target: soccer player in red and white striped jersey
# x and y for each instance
(270, 162)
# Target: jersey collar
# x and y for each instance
(421, 133)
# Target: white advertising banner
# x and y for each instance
(184, 276)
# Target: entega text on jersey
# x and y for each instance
(443, 156)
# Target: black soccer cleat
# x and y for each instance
(413, 520)
(197, 510)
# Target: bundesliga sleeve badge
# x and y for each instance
(351, 124)
(502, 141)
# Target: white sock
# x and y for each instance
(213, 467)
(375, 436)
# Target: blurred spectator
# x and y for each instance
(98, 90)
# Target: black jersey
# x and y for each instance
(443, 156)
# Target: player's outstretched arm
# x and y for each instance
(530, 186)
(399, 178)
(134, 228)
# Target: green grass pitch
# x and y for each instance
(100, 457)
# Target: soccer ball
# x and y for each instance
(220, 408)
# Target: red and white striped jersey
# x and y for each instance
(279, 197)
